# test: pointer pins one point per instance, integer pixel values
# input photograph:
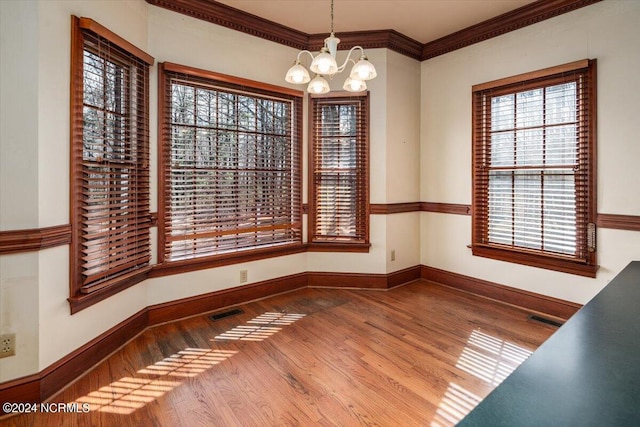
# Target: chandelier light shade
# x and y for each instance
(297, 74)
(354, 85)
(318, 85)
(324, 65)
(363, 70)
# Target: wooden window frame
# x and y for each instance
(584, 262)
(166, 72)
(86, 288)
(341, 244)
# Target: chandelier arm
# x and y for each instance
(343, 66)
(346, 61)
(304, 51)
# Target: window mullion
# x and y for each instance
(238, 171)
(542, 171)
(514, 172)
(217, 175)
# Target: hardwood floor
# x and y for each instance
(417, 355)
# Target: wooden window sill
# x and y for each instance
(536, 260)
(339, 247)
(183, 266)
(81, 301)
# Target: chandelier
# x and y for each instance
(324, 65)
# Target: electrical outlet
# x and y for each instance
(7, 345)
(393, 254)
(244, 276)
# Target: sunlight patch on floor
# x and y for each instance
(490, 359)
(456, 403)
(261, 327)
(487, 358)
(131, 393)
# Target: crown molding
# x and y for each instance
(235, 19)
(518, 18)
(389, 39)
(230, 17)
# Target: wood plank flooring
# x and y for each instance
(417, 355)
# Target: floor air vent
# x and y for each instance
(223, 314)
(541, 319)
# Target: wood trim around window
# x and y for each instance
(529, 258)
(539, 74)
(336, 243)
(583, 260)
(226, 78)
(93, 26)
(223, 82)
(89, 284)
(177, 267)
(339, 247)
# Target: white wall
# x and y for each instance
(18, 103)
(403, 129)
(402, 165)
(608, 31)
(19, 179)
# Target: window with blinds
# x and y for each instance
(339, 172)
(109, 159)
(231, 165)
(534, 173)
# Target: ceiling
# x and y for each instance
(421, 20)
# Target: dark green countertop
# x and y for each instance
(585, 374)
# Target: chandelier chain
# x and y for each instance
(331, 16)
